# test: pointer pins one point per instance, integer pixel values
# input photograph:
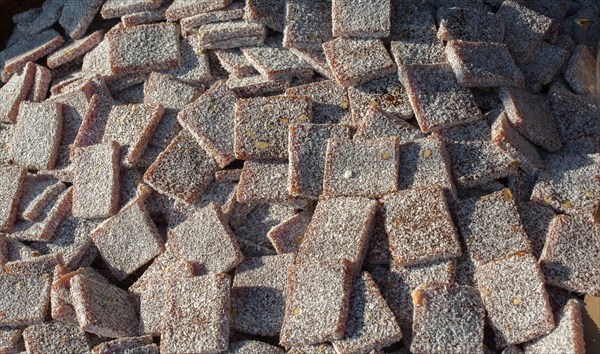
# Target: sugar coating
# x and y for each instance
(371, 324)
(253, 222)
(378, 124)
(447, 317)
(12, 180)
(545, 64)
(317, 302)
(277, 63)
(419, 226)
(119, 8)
(55, 337)
(31, 50)
(41, 84)
(6, 134)
(568, 334)
(366, 168)
(378, 251)
(530, 115)
(210, 119)
(329, 101)
(144, 48)
(575, 116)
(339, 229)
(287, 236)
(145, 17)
(360, 18)
(145, 349)
(15, 250)
(14, 92)
(315, 58)
(515, 300)
(197, 315)
(193, 68)
(63, 167)
(183, 170)
(323, 348)
(270, 13)
(239, 41)
(568, 183)
(103, 308)
(526, 29)
(77, 16)
(402, 281)
(258, 294)
(483, 64)
(568, 259)
(307, 24)
(234, 61)
(255, 85)
(73, 50)
(184, 8)
(202, 247)
(437, 98)
(536, 221)
(252, 346)
(263, 181)
(121, 344)
(40, 265)
(215, 33)
(124, 255)
(97, 60)
(356, 61)
(26, 299)
(580, 71)
(74, 109)
(228, 176)
(261, 125)
(470, 24)
(10, 339)
(474, 158)
(421, 47)
(234, 11)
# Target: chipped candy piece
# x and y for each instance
(580, 71)
(41, 84)
(308, 24)
(158, 43)
(366, 168)
(447, 317)
(470, 24)
(483, 64)
(96, 181)
(197, 317)
(316, 303)
(73, 50)
(287, 236)
(277, 63)
(31, 50)
(103, 308)
(15, 91)
(186, 8)
(356, 61)
(234, 61)
(257, 294)
(419, 226)
(436, 97)
(194, 67)
(183, 170)
(356, 18)
(329, 101)
(270, 13)
(378, 124)
(26, 299)
(569, 258)
(12, 180)
(515, 300)
(55, 337)
(235, 11)
(119, 8)
(121, 344)
(371, 324)
(261, 125)
(263, 181)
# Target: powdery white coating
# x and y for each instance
(15, 91)
(530, 115)
(74, 109)
(373, 166)
(515, 300)
(270, 13)
(252, 346)
(470, 24)
(145, 17)
(447, 317)
(277, 63)
(55, 337)
(567, 337)
(307, 24)
(421, 47)
(6, 134)
(377, 124)
(197, 315)
(40, 265)
(287, 236)
(103, 308)
(315, 58)
(144, 48)
(234, 11)
(30, 50)
(124, 255)
(536, 221)
(239, 41)
(186, 8)
(74, 49)
(419, 226)
(10, 339)
(544, 65)
(371, 324)
(26, 298)
(580, 71)
(261, 125)
(317, 302)
(436, 97)
(37, 135)
(356, 61)
(145, 349)
(263, 181)
(323, 348)
(378, 251)
(252, 222)
(255, 85)
(97, 60)
(77, 16)
(119, 8)
(234, 61)
(63, 167)
(329, 101)
(575, 115)
(41, 84)
(361, 18)
(258, 294)
(483, 64)
(339, 229)
(526, 29)
(231, 30)
(569, 258)
(12, 180)
(16, 250)
(228, 176)
(111, 346)
(194, 67)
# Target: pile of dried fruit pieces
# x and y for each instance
(348, 176)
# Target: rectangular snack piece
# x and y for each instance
(441, 306)
(516, 302)
(308, 24)
(258, 294)
(339, 229)
(96, 181)
(367, 168)
(263, 181)
(418, 47)
(371, 324)
(216, 34)
(26, 299)
(74, 50)
(41, 84)
(356, 61)
(378, 124)
(37, 135)
(119, 8)
(15, 91)
(77, 16)
(359, 18)
(12, 179)
(183, 170)
(145, 17)
(437, 98)
(270, 13)
(197, 315)
(317, 302)
(419, 226)
(277, 63)
(234, 61)
(470, 24)
(235, 11)
(55, 337)
(31, 50)
(329, 101)
(186, 8)
(261, 125)
(158, 48)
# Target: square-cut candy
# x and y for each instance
(119, 344)
(287, 236)
(419, 226)
(418, 47)
(470, 24)
(261, 125)
(119, 8)
(12, 179)
(377, 124)
(186, 8)
(26, 299)
(270, 13)
(366, 168)
(356, 61)
(73, 50)
(537, 219)
(263, 181)
(55, 337)
(580, 71)
(77, 16)
(30, 50)
(15, 91)
(329, 101)
(277, 63)
(358, 18)
(308, 24)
